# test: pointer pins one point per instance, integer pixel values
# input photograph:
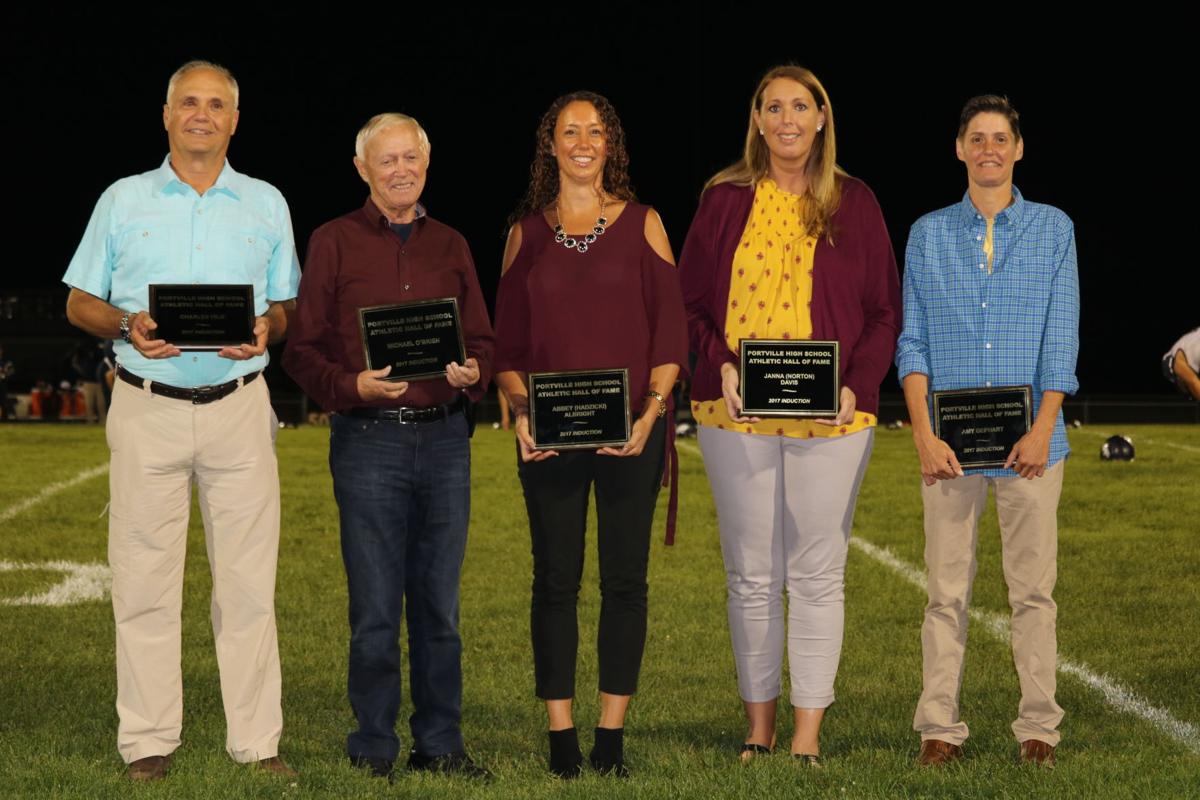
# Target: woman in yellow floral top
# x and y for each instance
(785, 245)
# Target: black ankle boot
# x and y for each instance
(608, 753)
(566, 759)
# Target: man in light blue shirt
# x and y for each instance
(180, 417)
(991, 299)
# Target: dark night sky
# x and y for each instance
(1102, 135)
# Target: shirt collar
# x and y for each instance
(378, 220)
(167, 182)
(1011, 215)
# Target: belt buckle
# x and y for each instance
(407, 416)
(203, 394)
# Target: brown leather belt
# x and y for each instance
(198, 395)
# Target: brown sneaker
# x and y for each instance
(936, 753)
(1035, 751)
(150, 768)
(276, 766)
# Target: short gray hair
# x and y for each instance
(201, 64)
(380, 122)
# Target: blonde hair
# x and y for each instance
(201, 64)
(381, 122)
(823, 192)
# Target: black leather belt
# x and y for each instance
(198, 395)
(407, 414)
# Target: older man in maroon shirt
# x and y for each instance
(399, 450)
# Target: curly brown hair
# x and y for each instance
(543, 172)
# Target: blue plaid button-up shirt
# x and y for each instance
(1019, 324)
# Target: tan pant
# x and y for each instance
(1027, 511)
(160, 447)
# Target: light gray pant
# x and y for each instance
(785, 508)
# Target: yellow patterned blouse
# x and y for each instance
(770, 293)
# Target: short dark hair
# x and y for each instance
(989, 103)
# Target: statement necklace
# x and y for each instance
(581, 244)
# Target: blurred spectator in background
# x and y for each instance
(6, 402)
(86, 364)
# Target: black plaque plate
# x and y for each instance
(789, 378)
(982, 425)
(416, 339)
(580, 408)
(203, 316)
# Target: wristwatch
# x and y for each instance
(662, 402)
(124, 327)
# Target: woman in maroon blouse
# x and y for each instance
(589, 283)
(787, 245)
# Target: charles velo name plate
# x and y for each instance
(580, 408)
(203, 316)
(982, 425)
(789, 378)
(416, 339)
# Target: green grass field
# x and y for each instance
(1129, 609)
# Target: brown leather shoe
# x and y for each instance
(150, 768)
(936, 753)
(276, 766)
(1035, 751)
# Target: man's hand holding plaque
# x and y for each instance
(200, 316)
(417, 340)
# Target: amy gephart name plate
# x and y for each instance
(789, 378)
(982, 425)
(417, 340)
(579, 408)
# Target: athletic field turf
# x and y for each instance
(1129, 621)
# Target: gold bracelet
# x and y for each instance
(662, 402)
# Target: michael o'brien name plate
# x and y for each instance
(982, 425)
(203, 316)
(417, 340)
(579, 408)
(789, 378)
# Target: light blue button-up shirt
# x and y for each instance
(154, 228)
(1019, 324)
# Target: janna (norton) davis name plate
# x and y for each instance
(982, 425)
(203, 316)
(789, 378)
(417, 340)
(579, 408)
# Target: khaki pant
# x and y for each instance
(160, 447)
(1027, 511)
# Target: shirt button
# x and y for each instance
(985, 304)
(988, 346)
(199, 247)
(979, 238)
(199, 210)
(407, 286)
(981, 266)
(987, 384)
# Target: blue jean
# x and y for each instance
(404, 497)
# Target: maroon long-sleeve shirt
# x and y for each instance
(356, 261)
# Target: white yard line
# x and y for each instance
(49, 491)
(1119, 697)
(83, 582)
